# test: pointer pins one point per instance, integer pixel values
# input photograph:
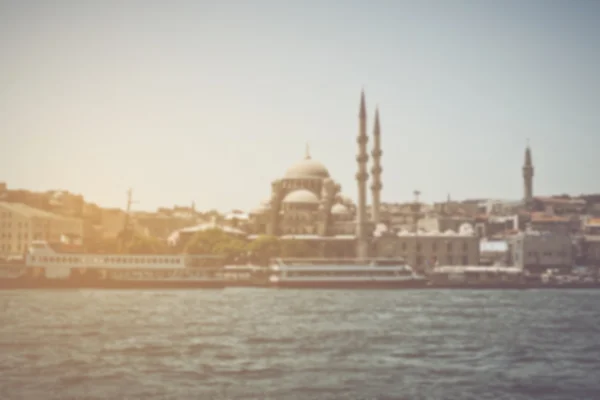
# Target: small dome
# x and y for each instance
(339, 209)
(301, 196)
(259, 210)
(466, 229)
(307, 168)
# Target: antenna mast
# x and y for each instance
(127, 232)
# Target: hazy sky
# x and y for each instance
(212, 100)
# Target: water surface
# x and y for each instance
(287, 344)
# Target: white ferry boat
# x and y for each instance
(44, 267)
(343, 274)
(470, 277)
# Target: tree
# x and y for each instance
(297, 248)
(100, 244)
(233, 249)
(145, 245)
(210, 241)
(264, 248)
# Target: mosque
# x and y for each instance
(308, 204)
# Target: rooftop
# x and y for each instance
(29, 212)
(561, 200)
(544, 217)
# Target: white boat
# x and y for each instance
(343, 274)
(45, 267)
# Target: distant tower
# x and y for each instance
(415, 207)
(376, 170)
(528, 177)
(361, 177)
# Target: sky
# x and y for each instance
(210, 101)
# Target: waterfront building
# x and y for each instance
(494, 252)
(591, 242)
(20, 224)
(425, 249)
(538, 251)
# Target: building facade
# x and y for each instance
(423, 250)
(20, 224)
(591, 242)
(538, 251)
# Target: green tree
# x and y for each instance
(100, 244)
(211, 241)
(264, 248)
(297, 248)
(145, 245)
(233, 249)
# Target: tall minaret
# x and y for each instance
(528, 177)
(362, 176)
(376, 170)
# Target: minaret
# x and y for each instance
(362, 176)
(528, 177)
(376, 170)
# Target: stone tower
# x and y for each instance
(376, 170)
(528, 178)
(362, 176)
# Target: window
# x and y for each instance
(465, 247)
(465, 260)
(449, 247)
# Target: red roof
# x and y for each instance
(561, 200)
(544, 217)
(481, 217)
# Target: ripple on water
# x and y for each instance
(248, 344)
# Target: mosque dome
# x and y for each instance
(307, 168)
(259, 210)
(301, 196)
(339, 209)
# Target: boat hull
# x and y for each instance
(514, 286)
(24, 283)
(366, 285)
